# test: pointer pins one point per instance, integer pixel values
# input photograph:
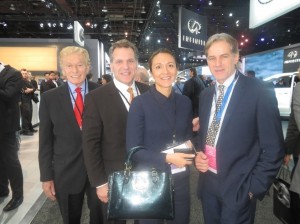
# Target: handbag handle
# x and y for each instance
(129, 155)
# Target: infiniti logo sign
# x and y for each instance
(194, 26)
(264, 1)
(292, 54)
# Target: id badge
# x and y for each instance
(211, 154)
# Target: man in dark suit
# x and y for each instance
(105, 117)
(43, 86)
(11, 83)
(192, 89)
(61, 162)
(241, 139)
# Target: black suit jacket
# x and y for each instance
(11, 83)
(60, 141)
(250, 144)
(104, 132)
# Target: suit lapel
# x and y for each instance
(206, 107)
(66, 105)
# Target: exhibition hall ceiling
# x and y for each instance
(111, 20)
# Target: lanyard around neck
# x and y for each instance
(124, 97)
(225, 100)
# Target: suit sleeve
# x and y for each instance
(12, 87)
(296, 104)
(45, 141)
(270, 137)
(91, 140)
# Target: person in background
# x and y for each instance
(62, 170)
(26, 105)
(43, 86)
(160, 118)
(106, 79)
(58, 79)
(178, 86)
(293, 148)
(192, 89)
(11, 83)
(250, 73)
(142, 75)
(105, 117)
(240, 138)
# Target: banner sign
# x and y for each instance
(291, 61)
(192, 30)
(262, 11)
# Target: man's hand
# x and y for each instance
(102, 193)
(286, 159)
(49, 190)
(196, 124)
(201, 162)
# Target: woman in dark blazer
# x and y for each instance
(160, 118)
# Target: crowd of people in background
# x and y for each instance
(237, 131)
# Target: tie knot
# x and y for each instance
(130, 90)
(221, 88)
(78, 90)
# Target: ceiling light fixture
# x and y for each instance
(210, 3)
(143, 10)
(12, 7)
(104, 9)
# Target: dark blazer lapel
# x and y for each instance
(208, 100)
(67, 106)
(236, 96)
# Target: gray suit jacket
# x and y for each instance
(60, 141)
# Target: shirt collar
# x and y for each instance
(228, 81)
(73, 87)
(121, 86)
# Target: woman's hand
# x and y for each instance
(180, 159)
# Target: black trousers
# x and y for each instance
(10, 167)
(70, 206)
(26, 113)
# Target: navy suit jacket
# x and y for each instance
(152, 120)
(250, 144)
(60, 141)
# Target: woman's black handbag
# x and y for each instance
(140, 194)
(281, 195)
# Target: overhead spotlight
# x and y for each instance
(141, 21)
(95, 25)
(138, 30)
(126, 34)
(88, 23)
(111, 39)
(230, 14)
(12, 7)
(61, 24)
(147, 38)
(158, 41)
(54, 24)
(105, 26)
(42, 25)
(104, 9)
(210, 3)
(143, 10)
(70, 27)
(49, 24)
(109, 34)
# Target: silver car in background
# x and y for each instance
(284, 84)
